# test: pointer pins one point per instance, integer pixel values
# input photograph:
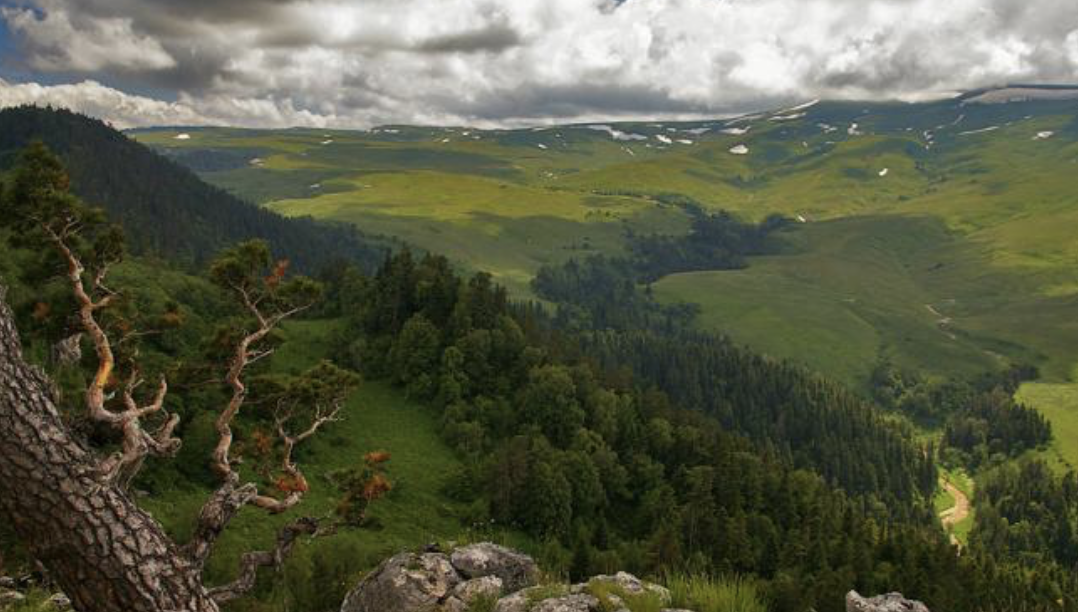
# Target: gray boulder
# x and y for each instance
(470, 590)
(484, 586)
(406, 582)
(891, 602)
(516, 570)
(580, 602)
(58, 601)
(631, 585)
(523, 600)
(437, 582)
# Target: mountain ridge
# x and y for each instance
(166, 210)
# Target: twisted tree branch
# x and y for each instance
(121, 467)
(252, 561)
(215, 515)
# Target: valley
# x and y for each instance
(781, 332)
(532, 306)
(937, 236)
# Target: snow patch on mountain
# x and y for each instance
(617, 134)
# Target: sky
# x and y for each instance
(494, 63)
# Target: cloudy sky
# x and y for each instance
(358, 63)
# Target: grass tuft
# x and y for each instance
(715, 594)
(613, 598)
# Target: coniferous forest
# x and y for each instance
(166, 211)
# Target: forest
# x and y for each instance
(166, 211)
(605, 431)
(648, 453)
(601, 292)
(982, 423)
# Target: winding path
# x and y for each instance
(956, 513)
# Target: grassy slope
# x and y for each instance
(846, 291)
(495, 204)
(1058, 402)
(997, 262)
(970, 227)
(376, 418)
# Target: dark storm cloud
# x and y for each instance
(192, 11)
(496, 37)
(567, 102)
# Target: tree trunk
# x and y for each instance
(103, 551)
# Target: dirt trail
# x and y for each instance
(956, 513)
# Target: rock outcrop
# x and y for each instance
(891, 602)
(626, 583)
(436, 582)
(414, 582)
(407, 582)
(515, 570)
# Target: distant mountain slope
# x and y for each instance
(166, 210)
(935, 235)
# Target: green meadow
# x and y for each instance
(374, 418)
(1058, 402)
(938, 235)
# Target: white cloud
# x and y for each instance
(360, 62)
(1071, 49)
(56, 43)
(125, 110)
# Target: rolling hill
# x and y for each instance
(937, 235)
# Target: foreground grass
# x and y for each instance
(709, 594)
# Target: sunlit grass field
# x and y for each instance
(937, 235)
(1059, 403)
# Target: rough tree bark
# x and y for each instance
(103, 551)
(68, 505)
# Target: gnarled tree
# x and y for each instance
(68, 502)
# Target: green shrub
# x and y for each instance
(715, 594)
